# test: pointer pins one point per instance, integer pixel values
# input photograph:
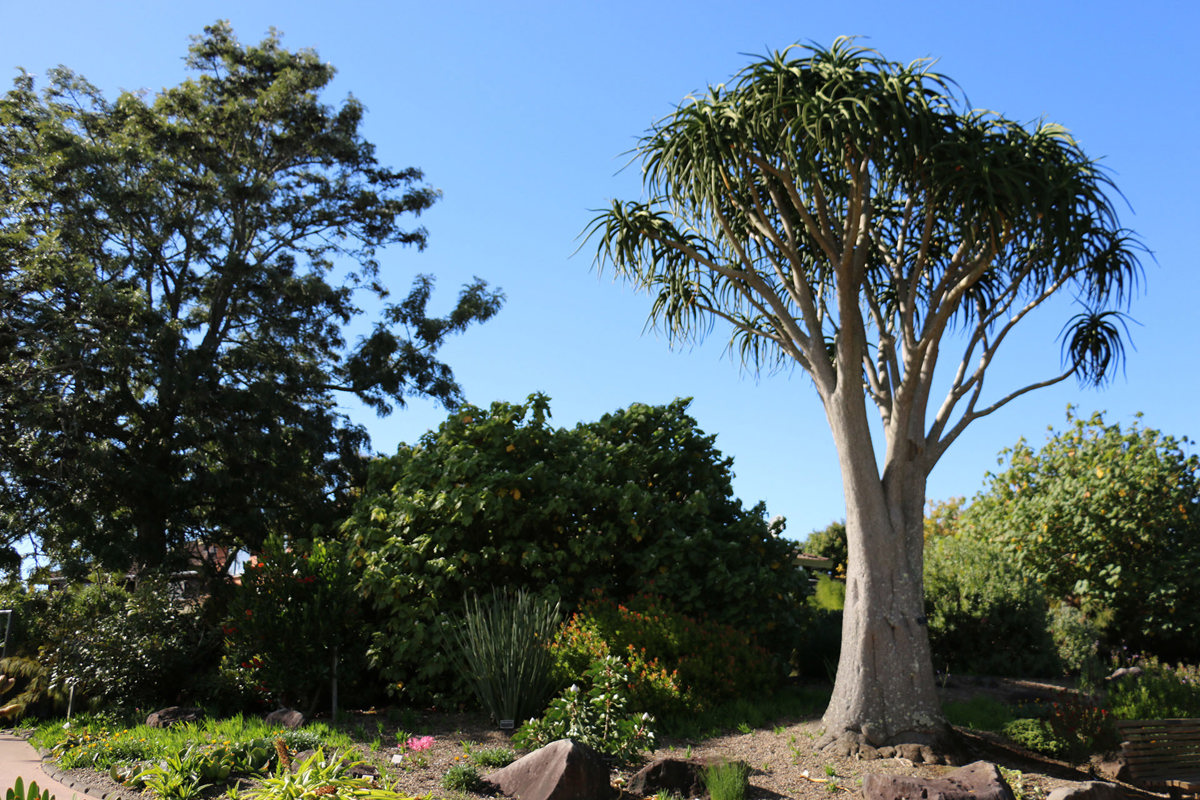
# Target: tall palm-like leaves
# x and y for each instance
(844, 212)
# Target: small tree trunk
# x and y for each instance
(885, 695)
(333, 687)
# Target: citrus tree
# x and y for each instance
(1105, 518)
(852, 216)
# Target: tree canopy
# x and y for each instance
(853, 216)
(829, 542)
(1106, 519)
(178, 272)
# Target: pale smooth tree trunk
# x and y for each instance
(885, 695)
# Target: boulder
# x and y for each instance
(1124, 674)
(674, 776)
(285, 718)
(1088, 790)
(166, 717)
(562, 770)
(978, 781)
(671, 776)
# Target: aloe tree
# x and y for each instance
(853, 216)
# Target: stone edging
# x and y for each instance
(78, 779)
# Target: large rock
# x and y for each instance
(285, 718)
(1088, 790)
(166, 717)
(562, 770)
(674, 776)
(978, 781)
(671, 776)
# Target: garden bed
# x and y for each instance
(782, 758)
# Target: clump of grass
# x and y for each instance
(727, 780)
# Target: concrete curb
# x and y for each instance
(20, 759)
(79, 783)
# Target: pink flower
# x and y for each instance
(418, 743)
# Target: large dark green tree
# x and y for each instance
(851, 216)
(177, 272)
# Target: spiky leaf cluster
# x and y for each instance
(845, 213)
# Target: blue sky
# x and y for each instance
(520, 113)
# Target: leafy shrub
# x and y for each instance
(121, 647)
(1077, 640)
(580, 643)
(500, 497)
(984, 616)
(1081, 723)
(1074, 726)
(830, 542)
(1036, 735)
(504, 648)
(816, 653)
(597, 716)
(307, 590)
(1160, 692)
(26, 625)
(676, 661)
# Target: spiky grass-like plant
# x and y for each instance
(501, 644)
(727, 780)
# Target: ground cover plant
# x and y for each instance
(979, 713)
(1071, 727)
(183, 758)
(419, 752)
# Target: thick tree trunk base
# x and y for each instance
(941, 746)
